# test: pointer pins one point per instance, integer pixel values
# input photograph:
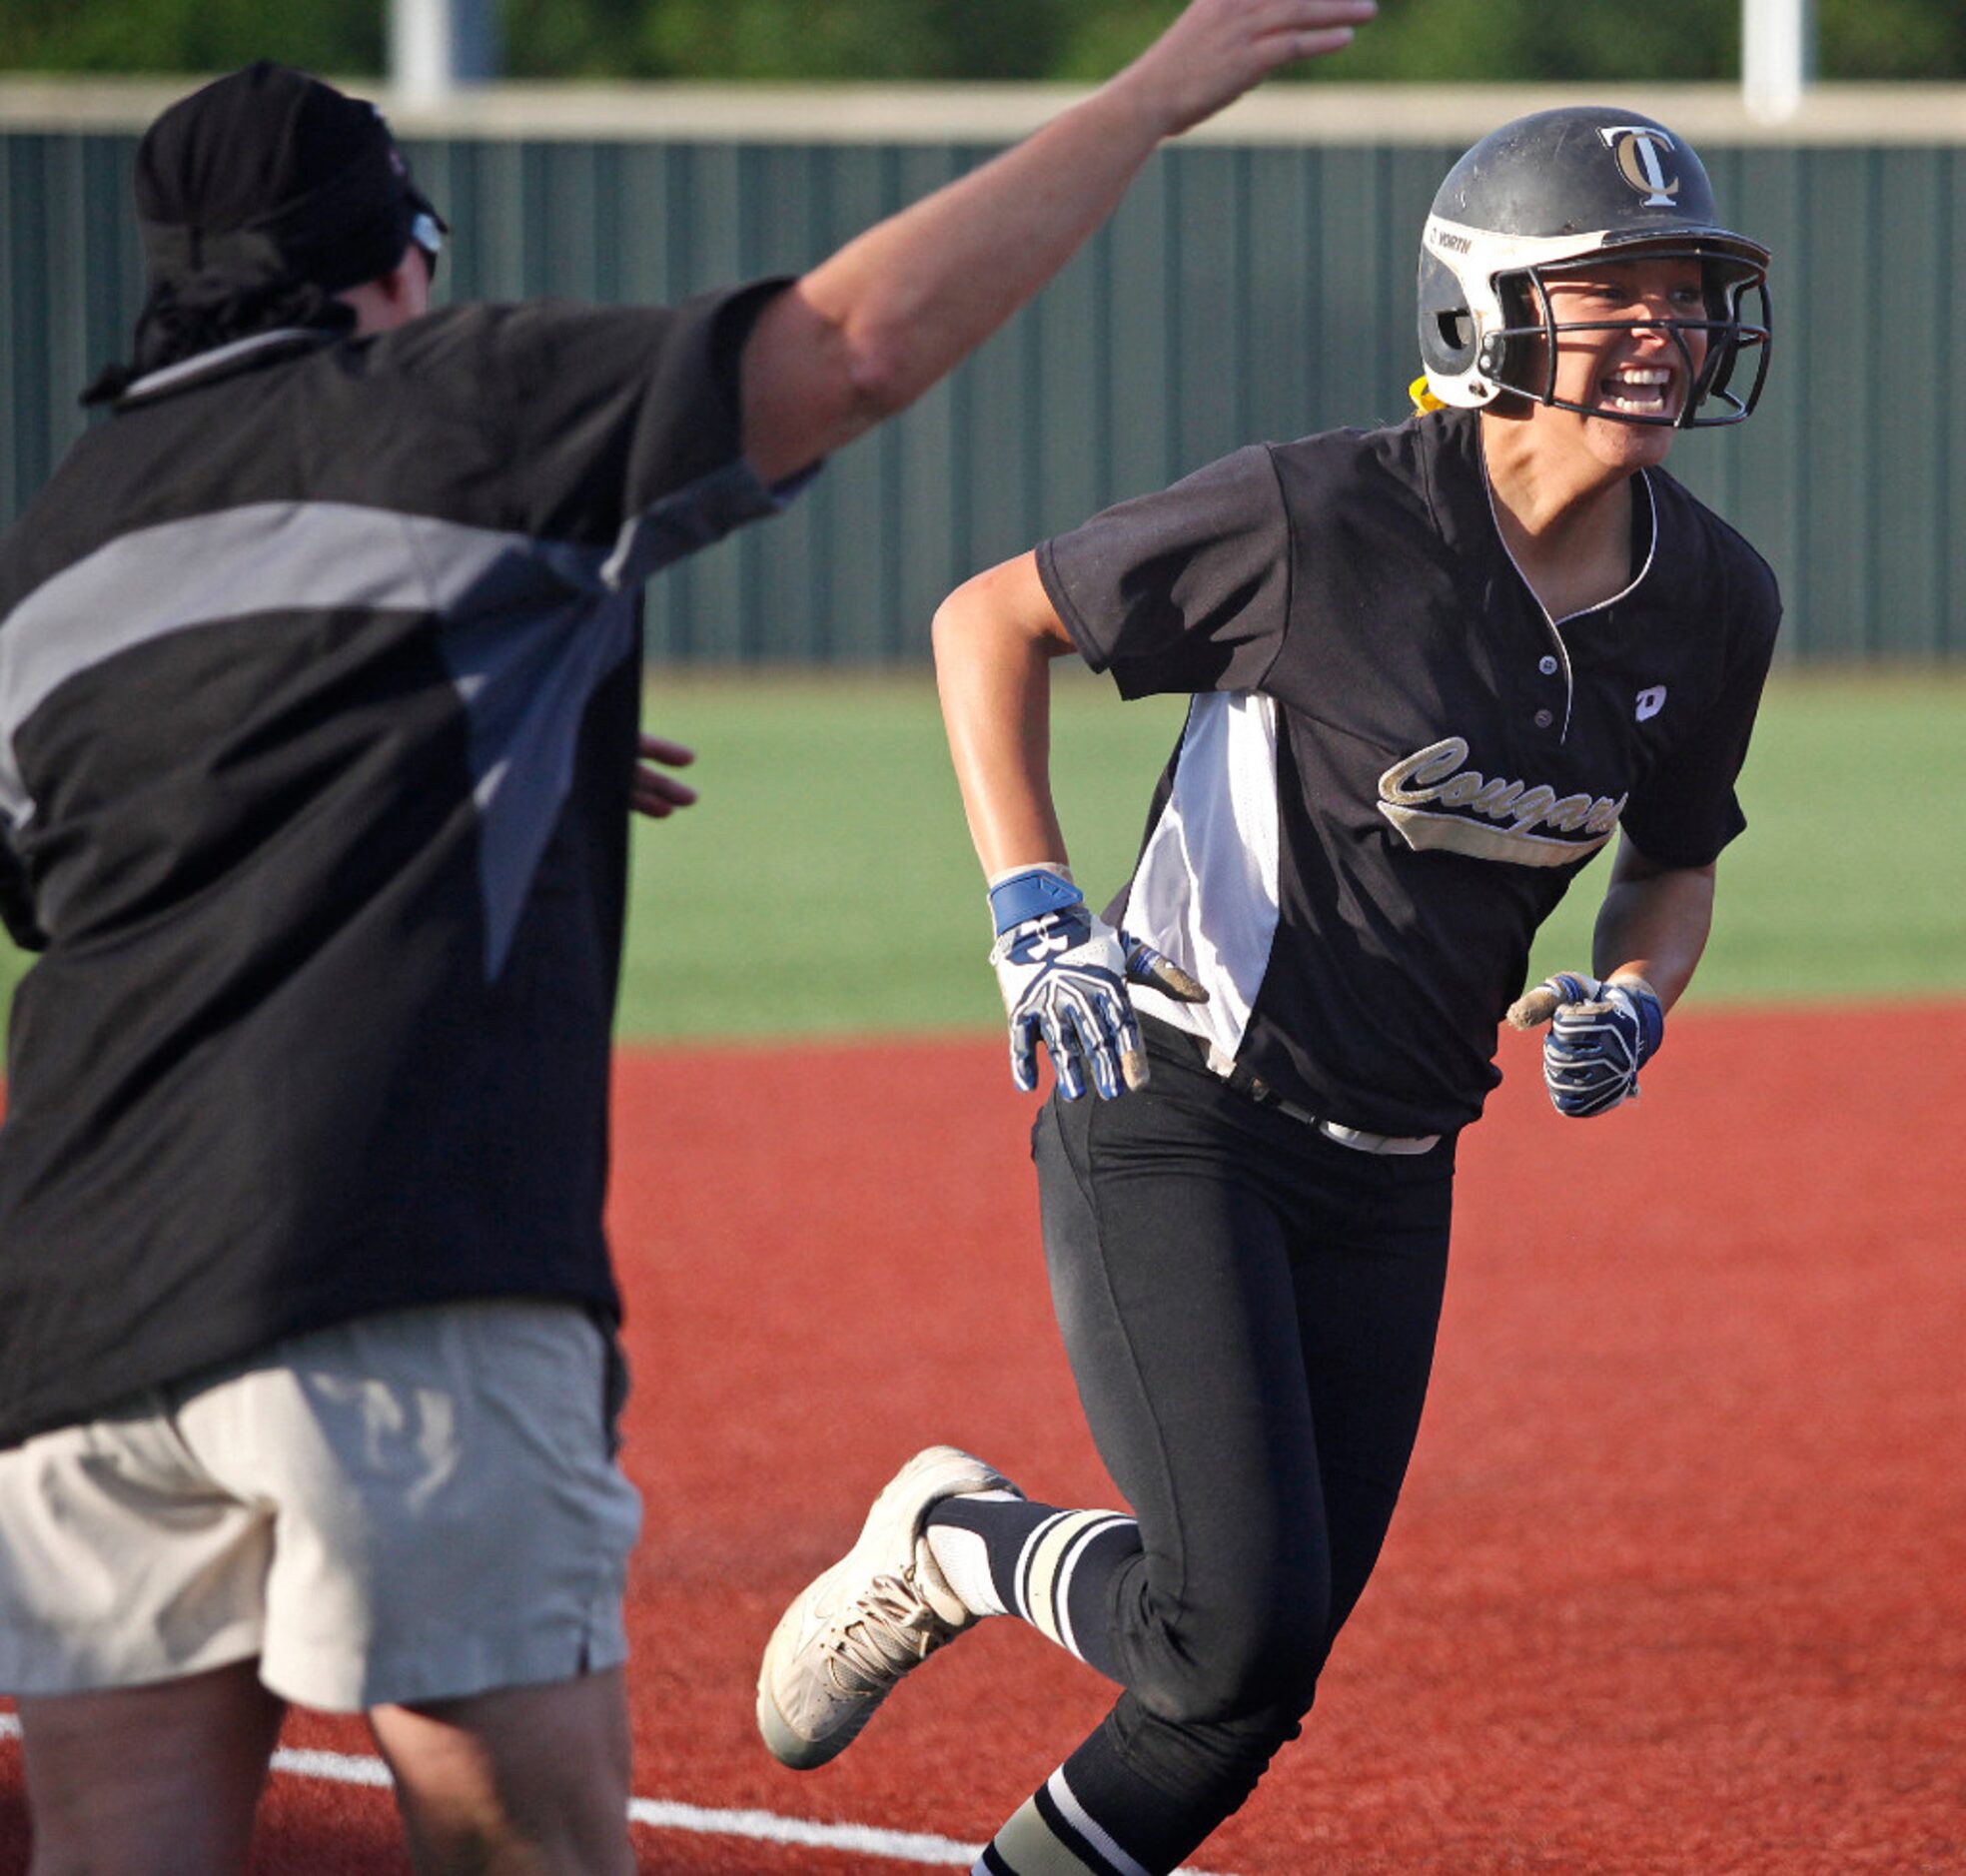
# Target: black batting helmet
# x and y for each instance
(1546, 192)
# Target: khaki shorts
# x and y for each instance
(409, 1507)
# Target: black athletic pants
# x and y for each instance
(1250, 1310)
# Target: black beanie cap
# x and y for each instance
(270, 175)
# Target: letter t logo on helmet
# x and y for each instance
(1641, 151)
(1556, 188)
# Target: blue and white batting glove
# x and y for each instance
(1064, 975)
(1601, 1036)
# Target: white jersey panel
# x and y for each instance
(1205, 891)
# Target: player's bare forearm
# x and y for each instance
(867, 331)
(995, 638)
(1653, 922)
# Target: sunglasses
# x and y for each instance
(427, 230)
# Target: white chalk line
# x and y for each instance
(898, 1846)
(894, 1846)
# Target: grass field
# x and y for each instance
(825, 883)
(831, 840)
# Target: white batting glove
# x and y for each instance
(1064, 974)
(1601, 1036)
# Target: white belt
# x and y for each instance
(1359, 1139)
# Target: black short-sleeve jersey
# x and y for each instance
(319, 681)
(1395, 762)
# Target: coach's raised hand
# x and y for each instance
(1218, 49)
(868, 330)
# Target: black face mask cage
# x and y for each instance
(1729, 335)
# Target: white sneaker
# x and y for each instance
(881, 1609)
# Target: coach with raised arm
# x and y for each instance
(318, 682)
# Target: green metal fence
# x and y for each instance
(1245, 290)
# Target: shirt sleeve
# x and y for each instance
(617, 413)
(1686, 811)
(1185, 590)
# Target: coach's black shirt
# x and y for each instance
(319, 681)
(1395, 762)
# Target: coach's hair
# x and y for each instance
(175, 327)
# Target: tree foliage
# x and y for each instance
(1499, 40)
(189, 34)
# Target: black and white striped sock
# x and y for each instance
(1051, 1567)
(1053, 1834)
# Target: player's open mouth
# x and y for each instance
(1637, 390)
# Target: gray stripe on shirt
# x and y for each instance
(265, 557)
(528, 629)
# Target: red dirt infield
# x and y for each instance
(1678, 1587)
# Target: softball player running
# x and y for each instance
(1433, 669)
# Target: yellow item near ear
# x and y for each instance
(1425, 402)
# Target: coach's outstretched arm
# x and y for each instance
(866, 331)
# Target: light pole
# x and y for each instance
(1779, 56)
(436, 45)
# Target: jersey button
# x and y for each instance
(1544, 720)
(1547, 667)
